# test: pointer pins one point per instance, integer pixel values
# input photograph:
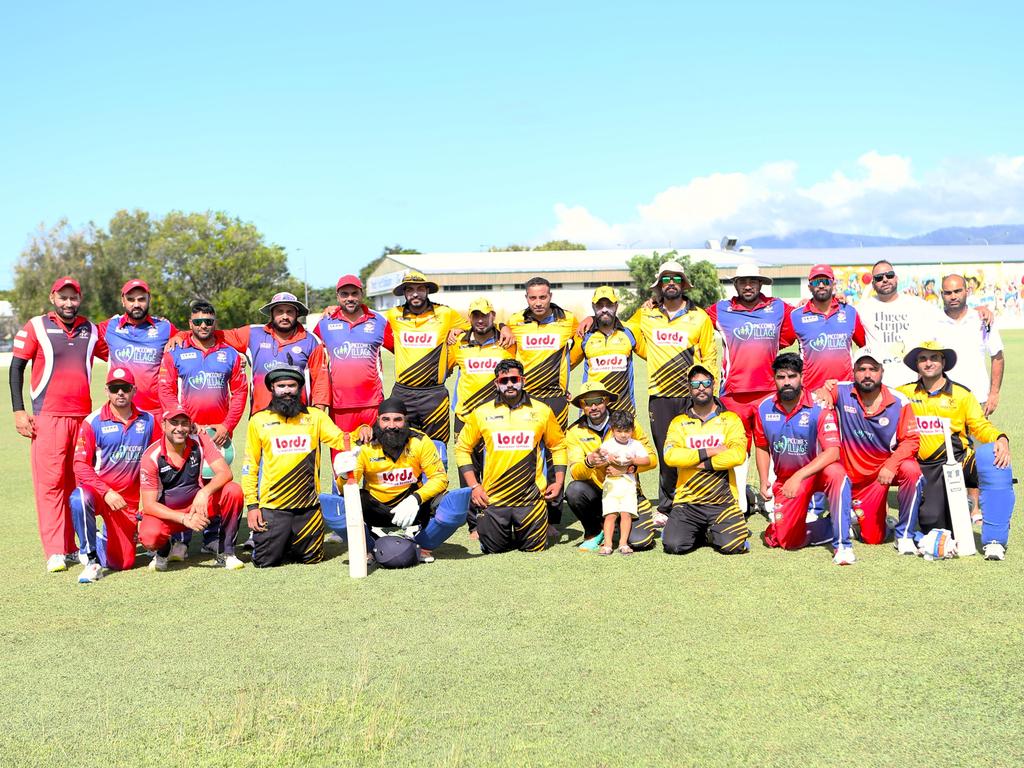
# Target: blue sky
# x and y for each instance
(338, 128)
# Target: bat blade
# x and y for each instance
(956, 497)
(354, 528)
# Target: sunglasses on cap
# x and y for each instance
(667, 279)
(595, 400)
(819, 281)
(118, 387)
(884, 276)
(701, 384)
(512, 379)
(203, 320)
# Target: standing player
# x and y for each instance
(826, 330)
(473, 357)
(934, 398)
(61, 346)
(754, 328)
(879, 449)
(421, 329)
(608, 348)
(353, 335)
(706, 444)
(136, 341)
(801, 439)
(176, 498)
(676, 334)
(513, 490)
(107, 464)
(976, 342)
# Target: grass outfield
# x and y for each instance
(558, 658)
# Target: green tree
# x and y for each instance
(510, 247)
(560, 245)
(643, 268)
(52, 253)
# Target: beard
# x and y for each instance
(864, 387)
(288, 406)
(789, 394)
(392, 440)
(605, 319)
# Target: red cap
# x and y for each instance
(821, 270)
(350, 280)
(177, 410)
(120, 373)
(62, 282)
(134, 284)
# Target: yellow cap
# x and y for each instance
(605, 292)
(481, 305)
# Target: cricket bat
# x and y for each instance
(354, 527)
(956, 497)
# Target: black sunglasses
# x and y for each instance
(203, 320)
(119, 388)
(883, 276)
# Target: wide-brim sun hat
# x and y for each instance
(415, 278)
(593, 388)
(672, 268)
(285, 298)
(948, 355)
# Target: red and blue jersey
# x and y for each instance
(176, 485)
(796, 438)
(61, 363)
(885, 438)
(826, 340)
(751, 339)
(109, 451)
(210, 383)
(353, 357)
(139, 347)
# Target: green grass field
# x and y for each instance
(552, 659)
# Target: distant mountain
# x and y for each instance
(1003, 234)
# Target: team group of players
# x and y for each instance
(832, 429)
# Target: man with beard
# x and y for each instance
(281, 475)
(675, 334)
(826, 330)
(403, 484)
(474, 357)
(705, 443)
(136, 341)
(801, 439)
(935, 399)
(513, 490)
(587, 468)
(421, 331)
(754, 328)
(60, 345)
(176, 498)
(879, 449)
(608, 351)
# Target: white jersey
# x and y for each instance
(896, 327)
(974, 344)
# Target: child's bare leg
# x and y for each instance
(625, 526)
(609, 533)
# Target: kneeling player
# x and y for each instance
(935, 399)
(802, 440)
(175, 496)
(705, 443)
(403, 481)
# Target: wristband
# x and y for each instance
(472, 487)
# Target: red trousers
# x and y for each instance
(744, 405)
(790, 530)
(155, 532)
(350, 419)
(871, 498)
(118, 551)
(53, 477)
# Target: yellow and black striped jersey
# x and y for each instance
(474, 379)
(700, 479)
(421, 343)
(953, 402)
(391, 481)
(582, 439)
(544, 349)
(608, 360)
(672, 345)
(513, 469)
(282, 458)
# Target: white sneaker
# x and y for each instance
(995, 551)
(332, 537)
(92, 572)
(213, 548)
(906, 547)
(232, 563)
(426, 556)
(844, 556)
(56, 564)
(158, 563)
(179, 551)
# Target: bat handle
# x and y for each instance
(947, 435)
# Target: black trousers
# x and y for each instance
(292, 534)
(934, 510)
(503, 529)
(478, 467)
(377, 514)
(584, 499)
(690, 526)
(661, 411)
(559, 404)
(429, 409)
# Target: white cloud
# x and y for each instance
(883, 197)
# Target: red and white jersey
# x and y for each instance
(62, 360)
